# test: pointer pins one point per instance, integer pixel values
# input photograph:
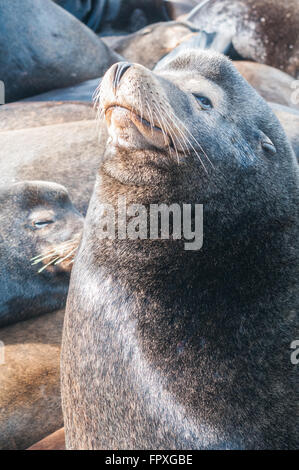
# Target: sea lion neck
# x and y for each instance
(153, 265)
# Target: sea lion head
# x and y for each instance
(193, 131)
(37, 218)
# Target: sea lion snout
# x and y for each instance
(120, 70)
(133, 101)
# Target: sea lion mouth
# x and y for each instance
(122, 121)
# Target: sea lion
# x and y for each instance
(62, 149)
(272, 84)
(17, 116)
(178, 8)
(30, 405)
(172, 348)
(265, 31)
(289, 119)
(41, 52)
(56, 441)
(150, 44)
(118, 15)
(81, 92)
(36, 217)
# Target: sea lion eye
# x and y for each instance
(205, 102)
(42, 223)
(267, 144)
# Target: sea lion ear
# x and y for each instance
(267, 144)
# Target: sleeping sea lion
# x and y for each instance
(148, 45)
(36, 217)
(265, 31)
(51, 143)
(272, 84)
(30, 405)
(39, 52)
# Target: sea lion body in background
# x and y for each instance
(265, 31)
(177, 9)
(148, 45)
(116, 15)
(82, 92)
(36, 217)
(36, 53)
(17, 116)
(272, 84)
(55, 441)
(64, 148)
(30, 404)
(289, 119)
(166, 348)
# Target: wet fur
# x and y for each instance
(168, 349)
(30, 407)
(24, 292)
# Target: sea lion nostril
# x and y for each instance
(121, 69)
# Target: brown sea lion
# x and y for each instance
(58, 150)
(23, 115)
(47, 49)
(124, 15)
(289, 119)
(55, 441)
(30, 406)
(173, 348)
(150, 44)
(265, 31)
(81, 92)
(178, 8)
(36, 217)
(272, 84)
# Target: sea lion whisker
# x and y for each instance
(47, 265)
(196, 141)
(200, 146)
(159, 117)
(191, 145)
(40, 258)
(96, 94)
(173, 120)
(171, 131)
(62, 247)
(151, 118)
(67, 256)
(171, 123)
(96, 97)
(140, 103)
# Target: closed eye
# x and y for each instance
(42, 223)
(205, 102)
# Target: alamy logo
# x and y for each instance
(2, 92)
(295, 94)
(156, 222)
(295, 354)
(2, 353)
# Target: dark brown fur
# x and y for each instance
(52, 143)
(262, 30)
(169, 349)
(36, 217)
(272, 84)
(30, 387)
(150, 44)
